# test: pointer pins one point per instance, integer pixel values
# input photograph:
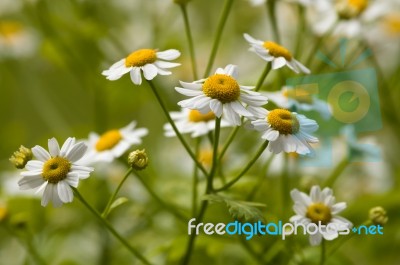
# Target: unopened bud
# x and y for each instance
(138, 159)
(21, 157)
(378, 216)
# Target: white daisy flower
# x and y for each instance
(55, 171)
(299, 100)
(319, 207)
(113, 143)
(351, 16)
(150, 61)
(278, 55)
(221, 94)
(287, 131)
(193, 122)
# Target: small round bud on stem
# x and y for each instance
(21, 157)
(378, 216)
(138, 159)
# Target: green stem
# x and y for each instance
(261, 179)
(168, 207)
(215, 156)
(323, 250)
(192, 238)
(110, 228)
(244, 171)
(195, 180)
(337, 172)
(271, 4)
(178, 134)
(318, 44)
(228, 142)
(221, 24)
(264, 74)
(112, 198)
(209, 189)
(190, 40)
(285, 185)
(300, 30)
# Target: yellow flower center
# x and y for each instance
(348, 9)
(319, 212)
(10, 28)
(360, 5)
(56, 169)
(197, 116)
(140, 58)
(300, 95)
(277, 50)
(283, 121)
(392, 24)
(221, 87)
(108, 140)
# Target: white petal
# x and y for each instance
(302, 67)
(40, 153)
(83, 172)
(64, 192)
(136, 76)
(149, 71)
(162, 64)
(315, 239)
(216, 107)
(231, 70)
(30, 182)
(188, 92)
(34, 165)
(67, 146)
(37, 172)
(239, 109)
(54, 148)
(315, 193)
(338, 207)
(252, 40)
(192, 86)
(76, 152)
(271, 135)
(278, 63)
(47, 194)
(300, 197)
(73, 179)
(168, 54)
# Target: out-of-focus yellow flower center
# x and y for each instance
(348, 9)
(360, 5)
(283, 121)
(298, 94)
(3, 212)
(56, 169)
(108, 140)
(197, 116)
(392, 24)
(319, 212)
(140, 58)
(9, 29)
(221, 87)
(277, 50)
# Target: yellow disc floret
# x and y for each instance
(348, 9)
(392, 24)
(9, 29)
(140, 58)
(277, 50)
(319, 212)
(221, 87)
(56, 169)
(283, 121)
(108, 140)
(197, 116)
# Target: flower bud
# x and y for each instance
(138, 159)
(378, 216)
(21, 157)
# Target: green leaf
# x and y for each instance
(239, 209)
(118, 202)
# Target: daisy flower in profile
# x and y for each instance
(287, 131)
(299, 100)
(113, 143)
(319, 208)
(278, 55)
(56, 171)
(221, 94)
(193, 122)
(149, 61)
